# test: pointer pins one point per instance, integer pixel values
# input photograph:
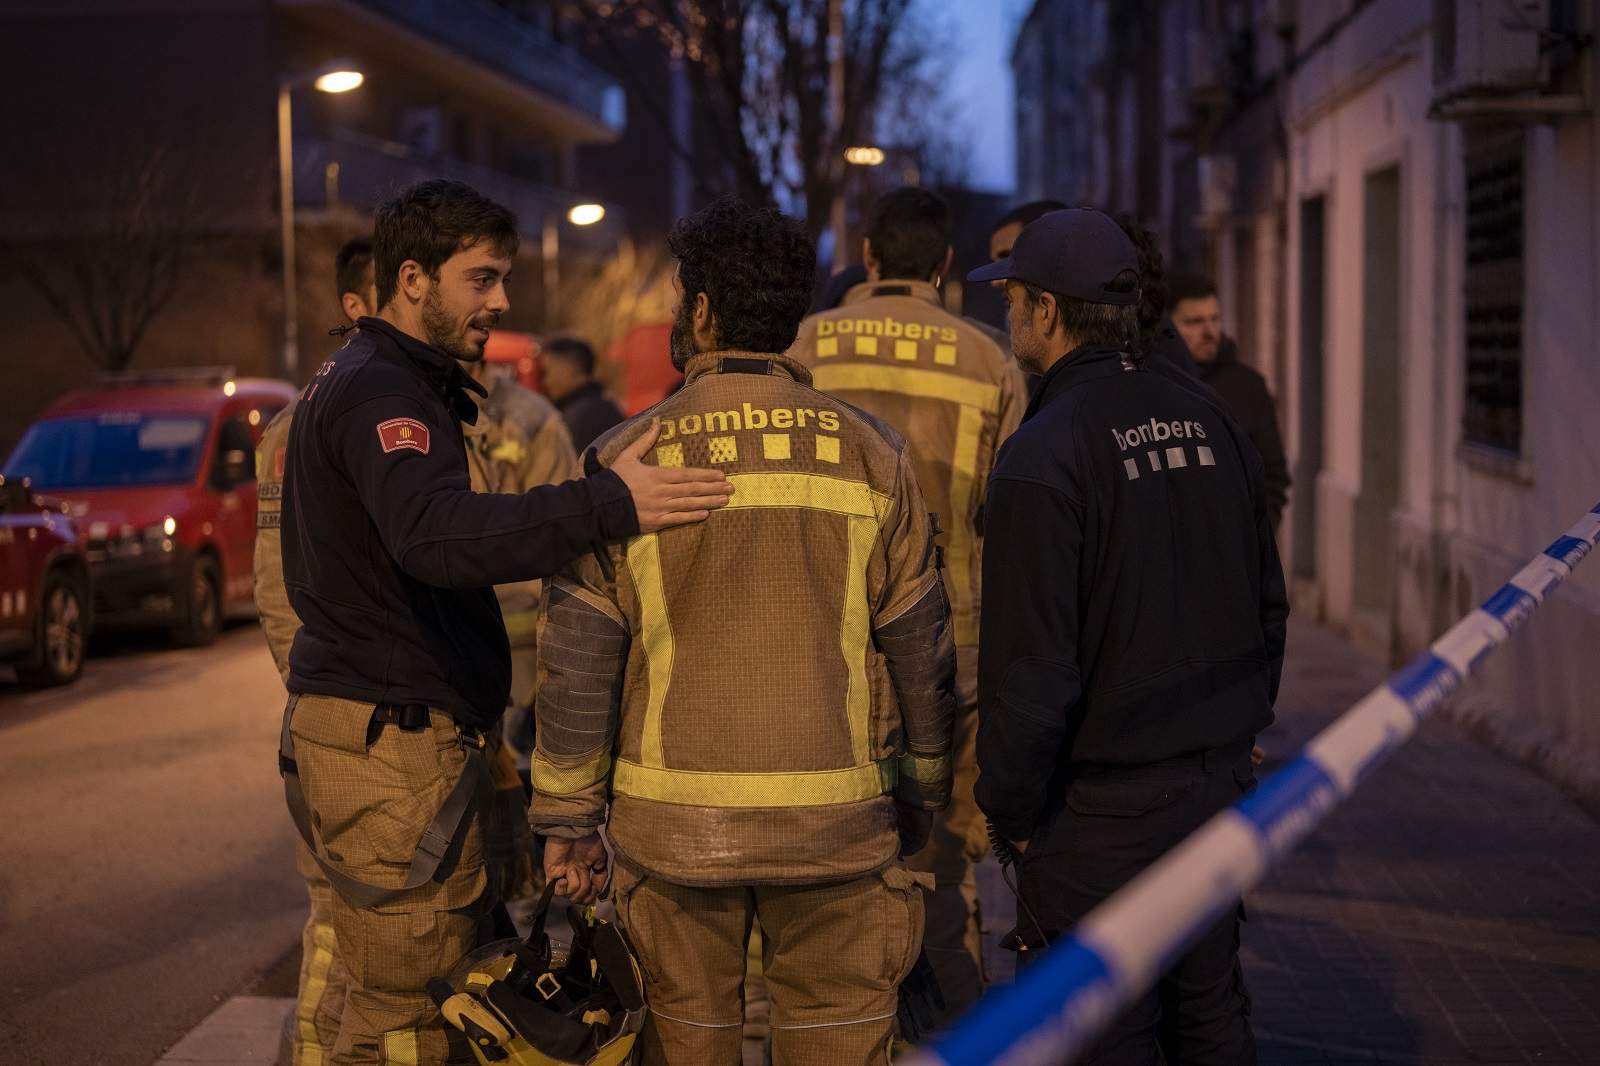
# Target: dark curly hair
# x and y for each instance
(1152, 274)
(756, 267)
(430, 222)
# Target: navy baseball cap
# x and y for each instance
(1077, 252)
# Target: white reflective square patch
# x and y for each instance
(1206, 458)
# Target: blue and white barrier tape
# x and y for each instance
(1116, 953)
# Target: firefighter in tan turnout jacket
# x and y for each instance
(518, 441)
(726, 689)
(891, 349)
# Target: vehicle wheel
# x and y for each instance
(200, 604)
(64, 634)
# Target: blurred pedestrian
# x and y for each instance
(401, 667)
(1158, 341)
(892, 350)
(754, 705)
(1004, 234)
(1197, 315)
(569, 379)
(1133, 628)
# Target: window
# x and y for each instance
(114, 450)
(1493, 287)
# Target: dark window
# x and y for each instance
(1493, 285)
(234, 436)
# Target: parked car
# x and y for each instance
(44, 588)
(158, 471)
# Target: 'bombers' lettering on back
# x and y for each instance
(885, 327)
(749, 417)
(1157, 430)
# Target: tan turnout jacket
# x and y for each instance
(726, 686)
(893, 351)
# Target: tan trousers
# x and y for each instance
(833, 956)
(370, 805)
(954, 939)
(322, 975)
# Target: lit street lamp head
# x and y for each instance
(339, 81)
(586, 214)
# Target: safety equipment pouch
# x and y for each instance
(521, 1004)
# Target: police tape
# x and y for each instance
(1061, 1002)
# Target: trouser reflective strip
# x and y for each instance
(311, 1051)
(431, 847)
(963, 475)
(696, 788)
(400, 1047)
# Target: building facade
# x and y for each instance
(147, 131)
(1398, 203)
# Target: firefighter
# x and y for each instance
(719, 697)
(401, 667)
(892, 350)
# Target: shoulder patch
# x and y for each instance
(399, 433)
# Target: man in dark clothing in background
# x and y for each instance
(1132, 638)
(1197, 315)
(570, 383)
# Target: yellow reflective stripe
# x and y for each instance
(400, 1047)
(696, 788)
(908, 381)
(925, 770)
(816, 492)
(963, 473)
(521, 626)
(554, 780)
(644, 563)
(311, 1051)
(854, 629)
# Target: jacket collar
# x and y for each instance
(442, 373)
(917, 290)
(743, 362)
(1084, 363)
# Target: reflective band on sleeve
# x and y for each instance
(928, 384)
(554, 780)
(644, 563)
(696, 788)
(814, 492)
(522, 626)
(925, 770)
(963, 472)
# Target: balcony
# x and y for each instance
(355, 171)
(476, 47)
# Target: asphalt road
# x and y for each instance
(146, 869)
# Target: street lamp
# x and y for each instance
(339, 76)
(586, 214)
(865, 155)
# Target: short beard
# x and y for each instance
(441, 333)
(683, 348)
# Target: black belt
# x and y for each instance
(1209, 759)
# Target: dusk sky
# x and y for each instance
(980, 91)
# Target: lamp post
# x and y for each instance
(550, 249)
(335, 77)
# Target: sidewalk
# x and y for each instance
(1448, 913)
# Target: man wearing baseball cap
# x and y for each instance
(1133, 626)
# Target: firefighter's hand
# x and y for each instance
(666, 495)
(576, 867)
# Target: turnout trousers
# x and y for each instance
(1097, 834)
(954, 937)
(833, 955)
(370, 802)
